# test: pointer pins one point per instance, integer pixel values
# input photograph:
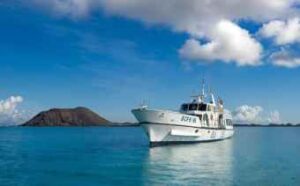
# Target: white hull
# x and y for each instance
(164, 133)
(163, 127)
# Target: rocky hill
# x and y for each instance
(79, 116)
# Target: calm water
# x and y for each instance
(111, 156)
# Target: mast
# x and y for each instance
(212, 98)
(202, 95)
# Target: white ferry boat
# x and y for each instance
(196, 121)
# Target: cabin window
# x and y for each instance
(202, 107)
(200, 117)
(228, 122)
(184, 107)
(206, 120)
(220, 119)
(193, 107)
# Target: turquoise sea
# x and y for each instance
(121, 156)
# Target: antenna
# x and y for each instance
(220, 101)
(203, 90)
(203, 87)
(212, 97)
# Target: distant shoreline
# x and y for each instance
(269, 125)
(138, 125)
(102, 125)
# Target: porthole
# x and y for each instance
(196, 131)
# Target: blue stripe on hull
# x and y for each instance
(165, 143)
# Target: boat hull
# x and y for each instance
(163, 134)
(167, 127)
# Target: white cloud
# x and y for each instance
(9, 105)
(70, 8)
(288, 63)
(8, 111)
(246, 114)
(200, 19)
(191, 16)
(195, 16)
(229, 43)
(284, 32)
(274, 117)
(284, 59)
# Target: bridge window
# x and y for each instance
(193, 107)
(184, 107)
(202, 107)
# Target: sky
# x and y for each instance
(110, 56)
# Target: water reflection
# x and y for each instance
(206, 163)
